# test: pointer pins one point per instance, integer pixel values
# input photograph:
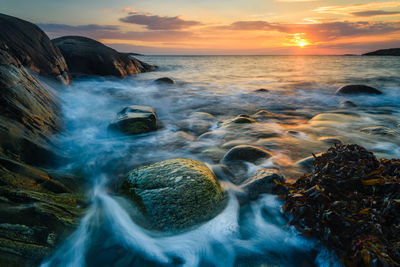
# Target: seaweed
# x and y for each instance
(351, 202)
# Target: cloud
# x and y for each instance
(372, 13)
(348, 9)
(160, 23)
(77, 29)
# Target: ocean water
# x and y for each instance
(302, 115)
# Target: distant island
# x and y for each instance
(384, 52)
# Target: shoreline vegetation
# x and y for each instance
(41, 206)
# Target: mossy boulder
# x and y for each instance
(175, 194)
(135, 120)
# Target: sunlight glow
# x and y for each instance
(300, 40)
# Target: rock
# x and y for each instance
(175, 194)
(307, 164)
(29, 45)
(263, 183)
(135, 120)
(247, 153)
(195, 126)
(358, 89)
(38, 208)
(347, 104)
(380, 130)
(384, 52)
(164, 80)
(241, 119)
(262, 90)
(30, 114)
(213, 154)
(90, 57)
(330, 140)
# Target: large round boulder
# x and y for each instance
(175, 194)
(30, 45)
(90, 57)
(135, 120)
(353, 89)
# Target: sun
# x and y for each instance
(299, 39)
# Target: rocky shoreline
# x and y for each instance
(41, 206)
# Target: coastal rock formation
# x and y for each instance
(384, 52)
(37, 208)
(135, 119)
(28, 44)
(164, 80)
(353, 89)
(90, 57)
(175, 194)
(246, 153)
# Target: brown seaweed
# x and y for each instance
(351, 202)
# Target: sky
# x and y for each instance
(226, 27)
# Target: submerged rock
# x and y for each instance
(29, 45)
(347, 104)
(175, 194)
(164, 80)
(135, 120)
(358, 89)
(265, 181)
(87, 56)
(247, 153)
(307, 164)
(379, 130)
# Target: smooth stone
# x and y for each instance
(347, 104)
(247, 153)
(214, 154)
(90, 57)
(30, 46)
(262, 90)
(241, 119)
(263, 183)
(379, 130)
(135, 120)
(175, 194)
(358, 89)
(307, 164)
(236, 142)
(330, 140)
(164, 80)
(195, 126)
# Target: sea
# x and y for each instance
(295, 112)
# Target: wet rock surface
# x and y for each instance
(175, 194)
(135, 120)
(29, 45)
(37, 208)
(350, 201)
(358, 89)
(164, 80)
(87, 56)
(246, 153)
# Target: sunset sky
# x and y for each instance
(220, 26)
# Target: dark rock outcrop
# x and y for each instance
(28, 44)
(175, 194)
(384, 52)
(354, 89)
(87, 56)
(37, 209)
(164, 80)
(135, 120)
(265, 181)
